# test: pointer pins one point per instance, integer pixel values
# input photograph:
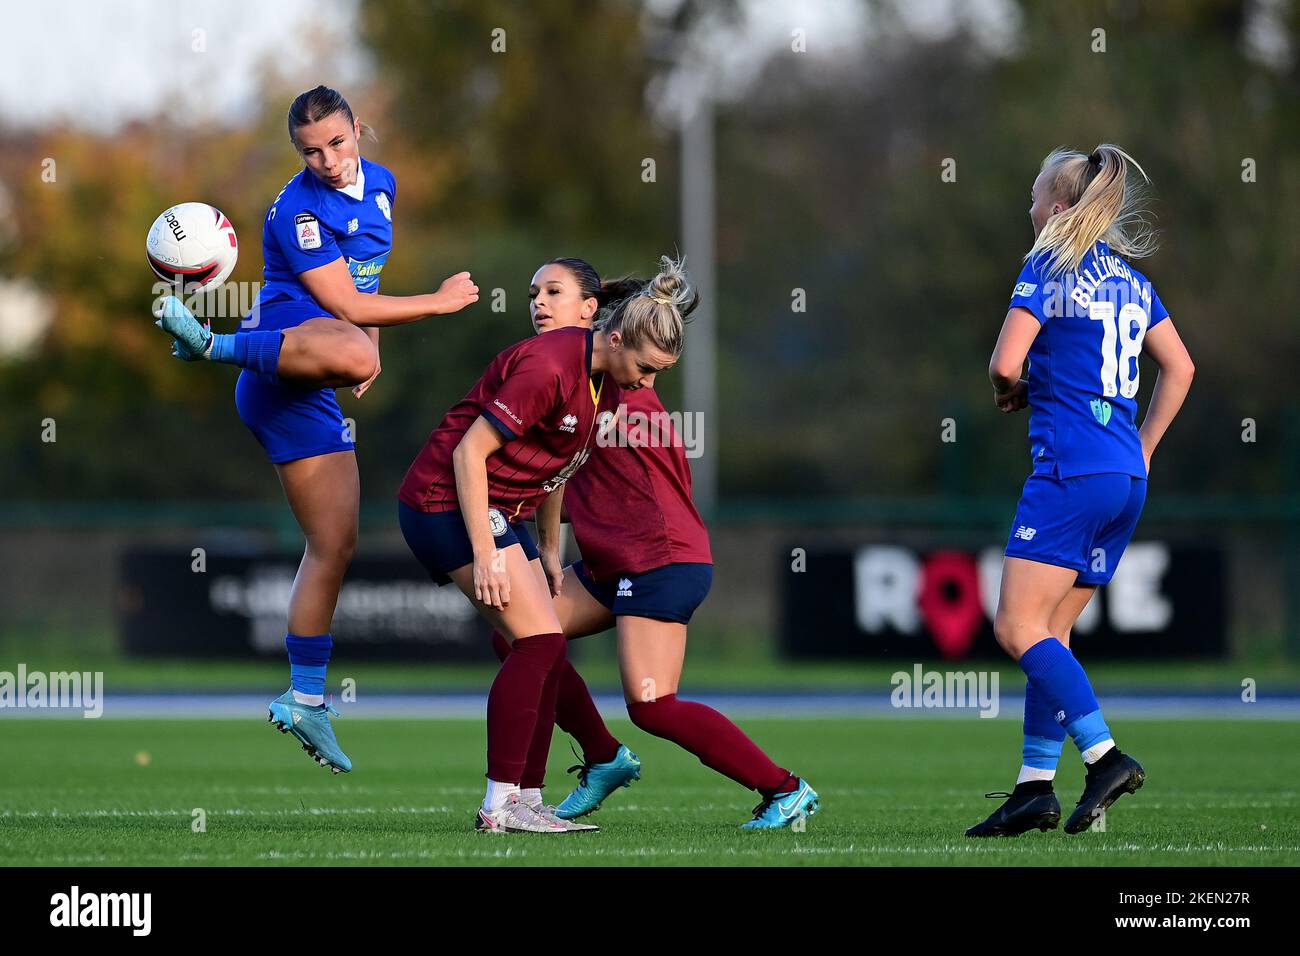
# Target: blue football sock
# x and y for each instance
(1043, 735)
(308, 658)
(258, 351)
(1054, 672)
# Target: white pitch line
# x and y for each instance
(235, 812)
(753, 705)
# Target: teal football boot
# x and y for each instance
(596, 781)
(192, 340)
(311, 725)
(782, 809)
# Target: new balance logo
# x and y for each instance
(352, 226)
(624, 587)
(1025, 534)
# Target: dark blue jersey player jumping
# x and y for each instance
(1083, 316)
(315, 328)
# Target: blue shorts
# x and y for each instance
(1082, 523)
(290, 422)
(669, 593)
(440, 542)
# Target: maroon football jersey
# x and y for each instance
(540, 394)
(631, 507)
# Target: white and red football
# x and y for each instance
(192, 244)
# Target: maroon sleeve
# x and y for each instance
(531, 387)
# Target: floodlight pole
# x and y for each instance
(699, 362)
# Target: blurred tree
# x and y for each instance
(907, 277)
(829, 182)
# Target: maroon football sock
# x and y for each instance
(539, 748)
(575, 714)
(720, 744)
(515, 700)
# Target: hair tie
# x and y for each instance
(1095, 158)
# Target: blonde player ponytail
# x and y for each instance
(656, 313)
(1102, 204)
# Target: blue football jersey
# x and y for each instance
(311, 224)
(1084, 364)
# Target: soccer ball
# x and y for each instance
(194, 245)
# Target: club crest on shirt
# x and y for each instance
(497, 522)
(381, 200)
(1100, 410)
(307, 230)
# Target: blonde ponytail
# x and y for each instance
(656, 313)
(1102, 204)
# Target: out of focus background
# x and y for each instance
(851, 180)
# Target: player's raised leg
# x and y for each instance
(650, 657)
(324, 494)
(322, 352)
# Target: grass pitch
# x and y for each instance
(894, 791)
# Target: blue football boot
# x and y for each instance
(596, 781)
(192, 339)
(311, 725)
(782, 809)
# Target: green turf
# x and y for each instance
(894, 791)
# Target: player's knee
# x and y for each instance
(333, 550)
(1005, 631)
(340, 553)
(642, 714)
(650, 715)
(355, 357)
